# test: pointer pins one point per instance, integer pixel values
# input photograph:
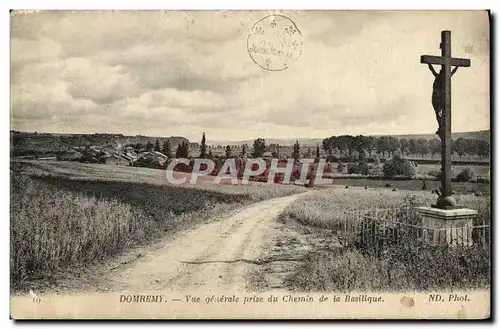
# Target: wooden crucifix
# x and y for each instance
(441, 101)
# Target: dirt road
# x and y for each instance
(219, 255)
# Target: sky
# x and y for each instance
(174, 73)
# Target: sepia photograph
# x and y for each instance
(250, 164)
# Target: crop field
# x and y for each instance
(75, 170)
(400, 268)
(64, 217)
(319, 209)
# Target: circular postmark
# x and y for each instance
(274, 42)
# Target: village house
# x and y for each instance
(267, 155)
(154, 156)
(70, 155)
(115, 159)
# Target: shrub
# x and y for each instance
(340, 167)
(352, 158)
(359, 168)
(398, 167)
(465, 175)
(435, 173)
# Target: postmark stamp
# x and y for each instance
(275, 42)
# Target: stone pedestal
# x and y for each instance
(447, 227)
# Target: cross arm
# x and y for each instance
(462, 62)
(437, 60)
(427, 59)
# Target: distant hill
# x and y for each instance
(481, 134)
(61, 142)
(46, 142)
(280, 141)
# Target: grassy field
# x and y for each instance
(320, 208)
(70, 216)
(74, 170)
(416, 184)
(404, 267)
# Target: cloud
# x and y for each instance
(181, 73)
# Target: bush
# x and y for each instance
(398, 167)
(352, 158)
(435, 173)
(359, 168)
(465, 175)
(340, 167)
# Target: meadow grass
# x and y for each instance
(57, 222)
(324, 208)
(404, 267)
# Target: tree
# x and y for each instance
(342, 143)
(308, 153)
(329, 144)
(228, 151)
(317, 151)
(413, 146)
(460, 146)
(398, 167)
(393, 144)
(210, 154)
(404, 146)
(371, 143)
(362, 157)
(359, 143)
(244, 149)
(203, 147)
(157, 146)
(423, 146)
(483, 148)
(166, 149)
(138, 147)
(471, 146)
(383, 145)
(296, 150)
(259, 147)
(182, 150)
(435, 147)
(149, 146)
(350, 143)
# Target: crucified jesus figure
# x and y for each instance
(438, 96)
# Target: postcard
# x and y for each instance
(264, 164)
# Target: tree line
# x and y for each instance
(387, 146)
(384, 146)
